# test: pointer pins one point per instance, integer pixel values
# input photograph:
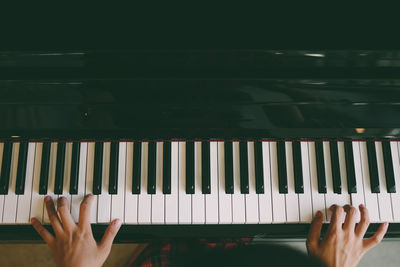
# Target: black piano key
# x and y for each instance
(167, 168)
(44, 169)
(98, 168)
(297, 168)
(21, 170)
(6, 168)
(113, 176)
(190, 168)
(60, 165)
(152, 160)
(282, 172)
(319, 155)
(244, 168)
(73, 183)
(350, 172)
(373, 167)
(137, 167)
(228, 167)
(258, 167)
(205, 168)
(337, 184)
(388, 163)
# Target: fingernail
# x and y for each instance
(117, 222)
(318, 214)
(361, 206)
(386, 224)
(33, 220)
(47, 198)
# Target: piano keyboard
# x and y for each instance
(212, 182)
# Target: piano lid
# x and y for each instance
(190, 94)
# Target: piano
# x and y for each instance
(199, 143)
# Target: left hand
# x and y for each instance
(73, 244)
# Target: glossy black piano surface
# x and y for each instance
(147, 233)
(198, 95)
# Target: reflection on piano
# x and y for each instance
(199, 143)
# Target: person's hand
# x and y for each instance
(343, 245)
(73, 244)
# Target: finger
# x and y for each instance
(351, 217)
(110, 234)
(377, 237)
(315, 232)
(362, 226)
(336, 219)
(53, 217)
(46, 236)
(84, 211)
(66, 218)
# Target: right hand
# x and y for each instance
(344, 245)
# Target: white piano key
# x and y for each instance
(118, 200)
(37, 200)
(89, 181)
(264, 200)
(144, 199)
(1, 196)
(292, 199)
(357, 198)
(51, 180)
(184, 200)
(24, 200)
(104, 199)
(131, 206)
(384, 199)
(278, 200)
(198, 198)
(396, 169)
(212, 199)
(11, 199)
(251, 199)
(225, 200)
(371, 199)
(330, 195)
(238, 199)
(77, 199)
(157, 200)
(67, 174)
(305, 199)
(332, 198)
(344, 198)
(318, 200)
(171, 200)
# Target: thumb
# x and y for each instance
(110, 234)
(376, 238)
(315, 232)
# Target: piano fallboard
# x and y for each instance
(199, 94)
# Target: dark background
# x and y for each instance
(213, 26)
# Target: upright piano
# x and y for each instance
(199, 143)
